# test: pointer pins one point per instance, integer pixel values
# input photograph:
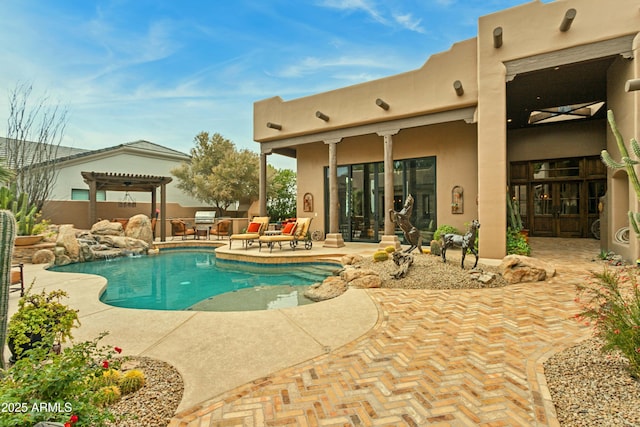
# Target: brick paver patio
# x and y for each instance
(457, 357)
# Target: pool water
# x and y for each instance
(195, 280)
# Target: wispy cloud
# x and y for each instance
(409, 22)
(366, 6)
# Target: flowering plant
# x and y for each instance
(611, 299)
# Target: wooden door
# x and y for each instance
(557, 209)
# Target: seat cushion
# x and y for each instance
(15, 277)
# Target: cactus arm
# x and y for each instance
(7, 240)
(635, 147)
(631, 172)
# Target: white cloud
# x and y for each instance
(409, 22)
(363, 5)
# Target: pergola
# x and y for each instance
(128, 182)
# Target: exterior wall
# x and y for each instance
(570, 139)
(621, 196)
(355, 105)
(453, 144)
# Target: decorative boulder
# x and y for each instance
(139, 227)
(520, 268)
(351, 259)
(331, 287)
(107, 228)
(67, 240)
(366, 282)
(350, 274)
(128, 243)
(43, 256)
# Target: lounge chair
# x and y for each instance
(255, 229)
(292, 233)
(17, 279)
(179, 228)
(222, 228)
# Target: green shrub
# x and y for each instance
(517, 243)
(380, 256)
(44, 378)
(444, 229)
(132, 380)
(612, 300)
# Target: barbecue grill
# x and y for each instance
(204, 220)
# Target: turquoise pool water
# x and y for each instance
(195, 280)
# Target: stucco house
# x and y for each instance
(521, 108)
(68, 202)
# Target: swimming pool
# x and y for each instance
(186, 279)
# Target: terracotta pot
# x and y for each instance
(28, 240)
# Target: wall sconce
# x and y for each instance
(380, 103)
(632, 85)
(274, 126)
(322, 116)
(567, 20)
(457, 85)
(497, 37)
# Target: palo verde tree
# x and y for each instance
(219, 174)
(34, 133)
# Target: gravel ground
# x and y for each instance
(588, 387)
(156, 402)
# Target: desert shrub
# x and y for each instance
(611, 299)
(444, 229)
(517, 243)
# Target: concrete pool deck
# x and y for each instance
(215, 351)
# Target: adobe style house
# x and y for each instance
(521, 108)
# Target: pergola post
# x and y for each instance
(262, 188)
(93, 214)
(163, 212)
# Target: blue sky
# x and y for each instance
(165, 70)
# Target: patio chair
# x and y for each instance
(292, 233)
(255, 229)
(17, 279)
(179, 228)
(222, 228)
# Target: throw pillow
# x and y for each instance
(289, 228)
(254, 227)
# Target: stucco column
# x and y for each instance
(262, 190)
(389, 237)
(334, 238)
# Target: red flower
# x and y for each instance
(67, 424)
(73, 419)
(118, 349)
(105, 364)
(617, 331)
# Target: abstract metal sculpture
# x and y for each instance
(411, 234)
(466, 242)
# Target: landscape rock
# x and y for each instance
(350, 274)
(331, 287)
(366, 282)
(67, 240)
(139, 227)
(122, 242)
(43, 256)
(520, 268)
(351, 259)
(107, 228)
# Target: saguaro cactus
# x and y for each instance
(7, 239)
(627, 163)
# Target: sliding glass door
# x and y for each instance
(361, 197)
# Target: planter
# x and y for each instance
(34, 339)
(28, 240)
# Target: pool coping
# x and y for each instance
(213, 351)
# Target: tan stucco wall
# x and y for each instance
(453, 144)
(620, 195)
(356, 104)
(570, 139)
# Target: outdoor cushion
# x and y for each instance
(254, 227)
(289, 228)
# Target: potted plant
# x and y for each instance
(41, 319)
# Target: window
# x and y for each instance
(83, 194)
